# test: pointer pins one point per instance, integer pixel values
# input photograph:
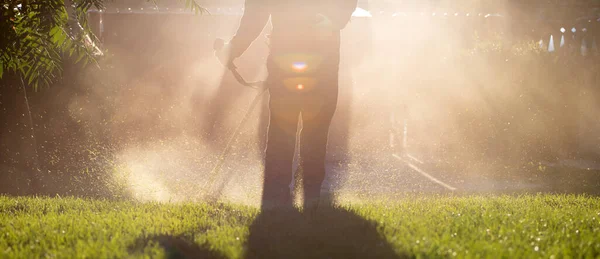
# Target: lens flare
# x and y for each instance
(299, 66)
(295, 84)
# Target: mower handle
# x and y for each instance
(217, 46)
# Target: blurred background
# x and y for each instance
(485, 96)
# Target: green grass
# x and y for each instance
(545, 226)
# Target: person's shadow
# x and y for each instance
(328, 232)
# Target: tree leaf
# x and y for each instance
(80, 56)
(54, 30)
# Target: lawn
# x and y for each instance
(546, 226)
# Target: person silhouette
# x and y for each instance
(302, 67)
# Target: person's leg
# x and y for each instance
(279, 155)
(316, 119)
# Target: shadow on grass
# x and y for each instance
(328, 232)
(174, 247)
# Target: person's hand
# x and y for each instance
(324, 27)
(223, 53)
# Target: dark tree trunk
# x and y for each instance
(31, 144)
(19, 165)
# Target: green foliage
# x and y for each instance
(37, 35)
(195, 7)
